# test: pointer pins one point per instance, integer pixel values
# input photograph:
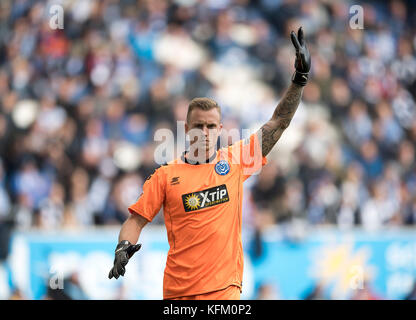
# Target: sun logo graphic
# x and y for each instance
(205, 198)
(341, 269)
(192, 202)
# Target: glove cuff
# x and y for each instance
(123, 243)
(300, 78)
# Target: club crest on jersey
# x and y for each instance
(222, 167)
(205, 198)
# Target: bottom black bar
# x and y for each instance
(166, 309)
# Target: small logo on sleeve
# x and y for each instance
(205, 198)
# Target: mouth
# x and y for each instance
(204, 142)
(204, 145)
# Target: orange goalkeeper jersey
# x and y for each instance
(202, 211)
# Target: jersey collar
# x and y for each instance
(186, 160)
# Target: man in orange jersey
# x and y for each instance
(201, 193)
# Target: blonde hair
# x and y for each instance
(203, 104)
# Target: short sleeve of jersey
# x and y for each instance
(248, 154)
(151, 200)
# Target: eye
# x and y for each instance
(212, 126)
(199, 126)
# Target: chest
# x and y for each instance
(195, 187)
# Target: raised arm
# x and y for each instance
(272, 130)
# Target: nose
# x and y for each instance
(206, 131)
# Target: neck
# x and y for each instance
(193, 157)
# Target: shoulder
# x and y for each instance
(165, 168)
(157, 171)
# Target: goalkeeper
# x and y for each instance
(201, 193)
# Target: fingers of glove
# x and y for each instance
(305, 61)
(117, 271)
(114, 273)
(300, 64)
(120, 270)
(295, 40)
(300, 37)
(133, 249)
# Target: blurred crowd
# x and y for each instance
(79, 106)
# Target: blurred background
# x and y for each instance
(333, 214)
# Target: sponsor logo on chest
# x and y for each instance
(205, 198)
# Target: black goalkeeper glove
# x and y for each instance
(124, 251)
(303, 59)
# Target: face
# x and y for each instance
(203, 129)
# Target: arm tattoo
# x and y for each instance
(272, 130)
